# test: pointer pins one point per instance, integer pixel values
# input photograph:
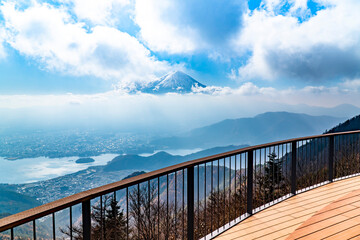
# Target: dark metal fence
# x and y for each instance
(193, 200)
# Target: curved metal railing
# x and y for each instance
(195, 199)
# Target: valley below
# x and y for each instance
(29, 182)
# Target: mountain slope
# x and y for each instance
(349, 125)
(160, 159)
(178, 82)
(126, 162)
(266, 127)
(12, 202)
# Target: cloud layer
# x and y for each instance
(52, 37)
(169, 113)
(324, 47)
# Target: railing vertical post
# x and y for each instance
(86, 220)
(71, 224)
(53, 226)
(331, 158)
(250, 173)
(190, 203)
(293, 166)
(34, 230)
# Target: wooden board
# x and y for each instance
(310, 213)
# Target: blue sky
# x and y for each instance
(281, 51)
(270, 43)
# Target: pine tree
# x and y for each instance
(108, 222)
(273, 176)
(115, 222)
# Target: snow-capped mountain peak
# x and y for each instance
(173, 82)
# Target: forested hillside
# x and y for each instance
(349, 125)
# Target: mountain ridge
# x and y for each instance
(351, 124)
(161, 159)
(265, 127)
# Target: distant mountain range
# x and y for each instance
(342, 110)
(266, 127)
(177, 82)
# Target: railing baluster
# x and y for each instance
(71, 227)
(53, 225)
(205, 201)
(273, 174)
(127, 213)
(278, 175)
(224, 212)
(190, 203)
(218, 195)
(198, 201)
(250, 182)
(235, 192)
(175, 211)
(331, 158)
(102, 218)
(86, 219)
(34, 230)
(167, 206)
(240, 192)
(183, 204)
(293, 167)
(211, 194)
(158, 207)
(229, 203)
(138, 210)
(149, 205)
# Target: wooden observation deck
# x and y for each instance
(327, 212)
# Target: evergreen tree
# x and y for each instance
(108, 222)
(273, 176)
(115, 222)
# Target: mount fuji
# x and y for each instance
(177, 82)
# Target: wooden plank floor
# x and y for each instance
(338, 220)
(327, 212)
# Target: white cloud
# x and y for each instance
(187, 26)
(159, 33)
(2, 40)
(326, 46)
(320, 90)
(302, 4)
(271, 5)
(351, 85)
(296, 6)
(97, 12)
(246, 89)
(50, 36)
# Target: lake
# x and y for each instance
(28, 170)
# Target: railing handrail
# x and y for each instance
(43, 210)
